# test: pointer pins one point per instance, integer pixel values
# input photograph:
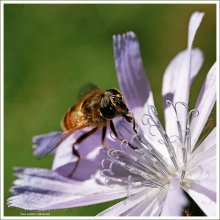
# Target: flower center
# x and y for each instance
(146, 165)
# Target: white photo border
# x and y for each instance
(4, 2)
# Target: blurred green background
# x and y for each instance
(50, 51)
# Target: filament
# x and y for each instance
(139, 163)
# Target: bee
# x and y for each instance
(96, 109)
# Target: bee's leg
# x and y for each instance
(133, 123)
(76, 152)
(131, 119)
(116, 135)
(103, 134)
(113, 130)
(105, 146)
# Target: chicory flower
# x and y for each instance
(165, 161)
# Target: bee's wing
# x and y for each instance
(45, 144)
(86, 89)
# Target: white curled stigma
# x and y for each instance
(144, 166)
(184, 140)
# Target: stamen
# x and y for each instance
(197, 173)
(192, 113)
(152, 113)
(124, 142)
(112, 135)
(151, 153)
(185, 142)
(129, 186)
(107, 180)
(183, 172)
(140, 161)
(116, 159)
(174, 107)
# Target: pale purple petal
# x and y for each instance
(43, 143)
(203, 180)
(122, 207)
(182, 93)
(171, 77)
(204, 174)
(132, 78)
(204, 152)
(204, 104)
(91, 199)
(40, 172)
(89, 149)
(151, 206)
(64, 160)
(183, 83)
(204, 199)
(201, 175)
(202, 164)
(41, 189)
(43, 201)
(43, 179)
(175, 200)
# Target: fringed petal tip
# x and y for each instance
(196, 17)
(21, 172)
(194, 23)
(120, 41)
(17, 171)
(43, 189)
(130, 70)
(44, 143)
(128, 35)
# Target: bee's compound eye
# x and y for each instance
(107, 108)
(108, 112)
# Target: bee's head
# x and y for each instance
(113, 104)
